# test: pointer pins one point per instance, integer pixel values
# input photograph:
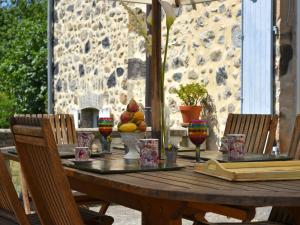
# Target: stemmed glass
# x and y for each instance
(105, 125)
(198, 132)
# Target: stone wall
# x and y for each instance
(99, 63)
(205, 47)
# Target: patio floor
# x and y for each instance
(126, 216)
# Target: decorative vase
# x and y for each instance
(190, 113)
(131, 141)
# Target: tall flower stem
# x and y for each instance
(162, 96)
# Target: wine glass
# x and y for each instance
(105, 125)
(198, 132)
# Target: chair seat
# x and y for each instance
(89, 217)
(93, 218)
(80, 199)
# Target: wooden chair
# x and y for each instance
(280, 215)
(11, 210)
(49, 187)
(260, 130)
(64, 133)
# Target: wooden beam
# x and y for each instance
(148, 85)
(156, 70)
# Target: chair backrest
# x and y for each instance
(62, 125)
(260, 130)
(10, 206)
(41, 165)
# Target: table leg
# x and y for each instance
(104, 207)
(295, 214)
(162, 213)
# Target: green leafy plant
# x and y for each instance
(191, 94)
(6, 109)
(23, 54)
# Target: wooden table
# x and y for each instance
(162, 197)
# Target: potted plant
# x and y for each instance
(192, 95)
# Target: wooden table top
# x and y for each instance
(188, 186)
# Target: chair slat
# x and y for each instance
(228, 124)
(272, 134)
(253, 134)
(242, 125)
(258, 134)
(52, 122)
(35, 132)
(251, 119)
(264, 134)
(63, 128)
(71, 132)
(57, 129)
(69, 129)
(233, 123)
(247, 124)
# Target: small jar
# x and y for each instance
(275, 151)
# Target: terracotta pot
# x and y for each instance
(190, 113)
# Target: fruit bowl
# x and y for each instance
(131, 139)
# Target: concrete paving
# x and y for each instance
(126, 216)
